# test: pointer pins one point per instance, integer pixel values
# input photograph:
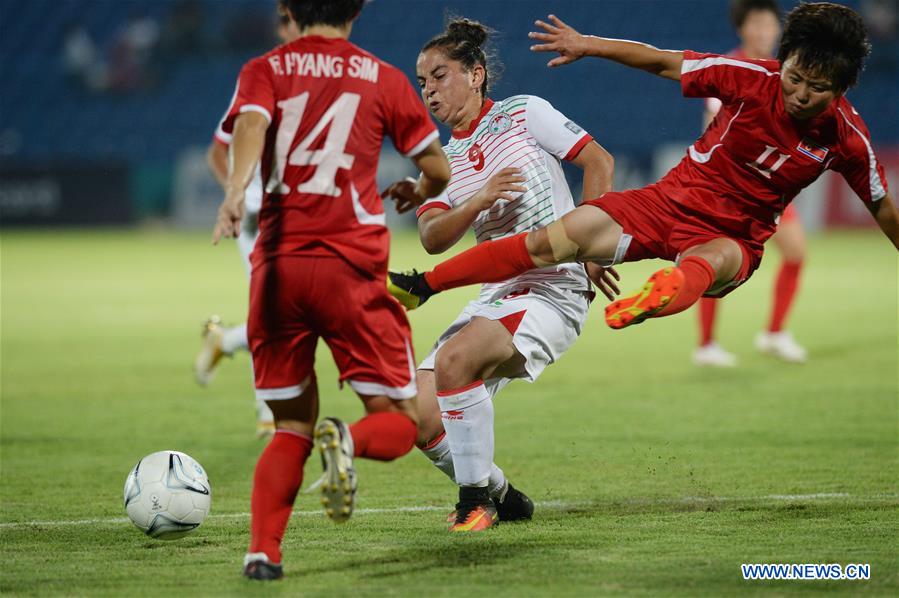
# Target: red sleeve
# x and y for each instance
(856, 161)
(723, 77)
(408, 123)
(255, 92)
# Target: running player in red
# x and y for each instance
(218, 340)
(505, 157)
(316, 110)
(782, 124)
(757, 23)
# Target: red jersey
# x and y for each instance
(329, 104)
(754, 159)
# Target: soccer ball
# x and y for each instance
(167, 495)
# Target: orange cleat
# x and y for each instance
(658, 292)
(474, 519)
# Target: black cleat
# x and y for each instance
(257, 566)
(409, 288)
(513, 505)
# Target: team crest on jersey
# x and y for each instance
(477, 156)
(499, 123)
(812, 150)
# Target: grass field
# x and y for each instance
(651, 477)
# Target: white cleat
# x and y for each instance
(264, 429)
(211, 351)
(265, 421)
(781, 345)
(713, 355)
(338, 481)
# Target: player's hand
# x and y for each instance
(500, 186)
(558, 37)
(230, 214)
(405, 195)
(604, 278)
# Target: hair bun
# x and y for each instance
(468, 30)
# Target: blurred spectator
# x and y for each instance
(182, 32)
(132, 53)
(250, 29)
(882, 19)
(82, 60)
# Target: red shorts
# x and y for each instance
(295, 300)
(661, 228)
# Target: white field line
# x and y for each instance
(552, 505)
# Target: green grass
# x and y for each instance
(655, 478)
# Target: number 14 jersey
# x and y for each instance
(329, 104)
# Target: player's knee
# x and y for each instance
(452, 362)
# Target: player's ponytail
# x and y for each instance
(464, 41)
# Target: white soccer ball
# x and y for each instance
(167, 495)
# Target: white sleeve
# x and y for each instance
(442, 202)
(553, 131)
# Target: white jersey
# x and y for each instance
(253, 197)
(525, 132)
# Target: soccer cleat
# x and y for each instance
(658, 292)
(475, 518)
(338, 481)
(257, 566)
(211, 351)
(513, 504)
(264, 429)
(713, 355)
(781, 345)
(475, 511)
(409, 288)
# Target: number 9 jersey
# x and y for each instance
(329, 104)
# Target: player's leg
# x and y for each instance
(673, 289)
(709, 352)
(224, 341)
(432, 441)
(587, 233)
(277, 479)
(283, 358)
(461, 366)
(790, 241)
(371, 342)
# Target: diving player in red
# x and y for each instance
(757, 24)
(781, 125)
(317, 110)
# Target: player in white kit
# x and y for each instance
(218, 340)
(506, 179)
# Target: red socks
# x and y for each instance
(698, 278)
(384, 436)
(707, 309)
(785, 287)
(491, 261)
(279, 473)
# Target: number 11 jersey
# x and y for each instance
(329, 104)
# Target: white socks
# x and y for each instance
(440, 456)
(468, 421)
(235, 339)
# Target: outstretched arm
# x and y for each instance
(887, 217)
(571, 45)
(246, 147)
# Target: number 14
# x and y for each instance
(328, 159)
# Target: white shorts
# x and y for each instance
(544, 321)
(246, 240)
